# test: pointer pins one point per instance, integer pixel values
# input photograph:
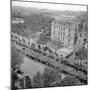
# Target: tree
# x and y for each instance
(82, 26)
(16, 57)
(82, 54)
(54, 44)
(67, 81)
(43, 39)
(37, 80)
(27, 82)
(50, 76)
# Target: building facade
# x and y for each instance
(17, 20)
(64, 32)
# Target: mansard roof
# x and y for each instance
(66, 23)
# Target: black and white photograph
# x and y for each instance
(49, 44)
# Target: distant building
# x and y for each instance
(63, 31)
(34, 37)
(17, 20)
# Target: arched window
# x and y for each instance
(69, 30)
(64, 28)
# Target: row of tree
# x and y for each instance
(53, 78)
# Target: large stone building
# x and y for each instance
(63, 31)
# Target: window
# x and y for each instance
(63, 33)
(69, 35)
(59, 33)
(54, 36)
(58, 37)
(63, 28)
(63, 38)
(54, 32)
(69, 30)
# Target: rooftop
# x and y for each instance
(67, 23)
(64, 51)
